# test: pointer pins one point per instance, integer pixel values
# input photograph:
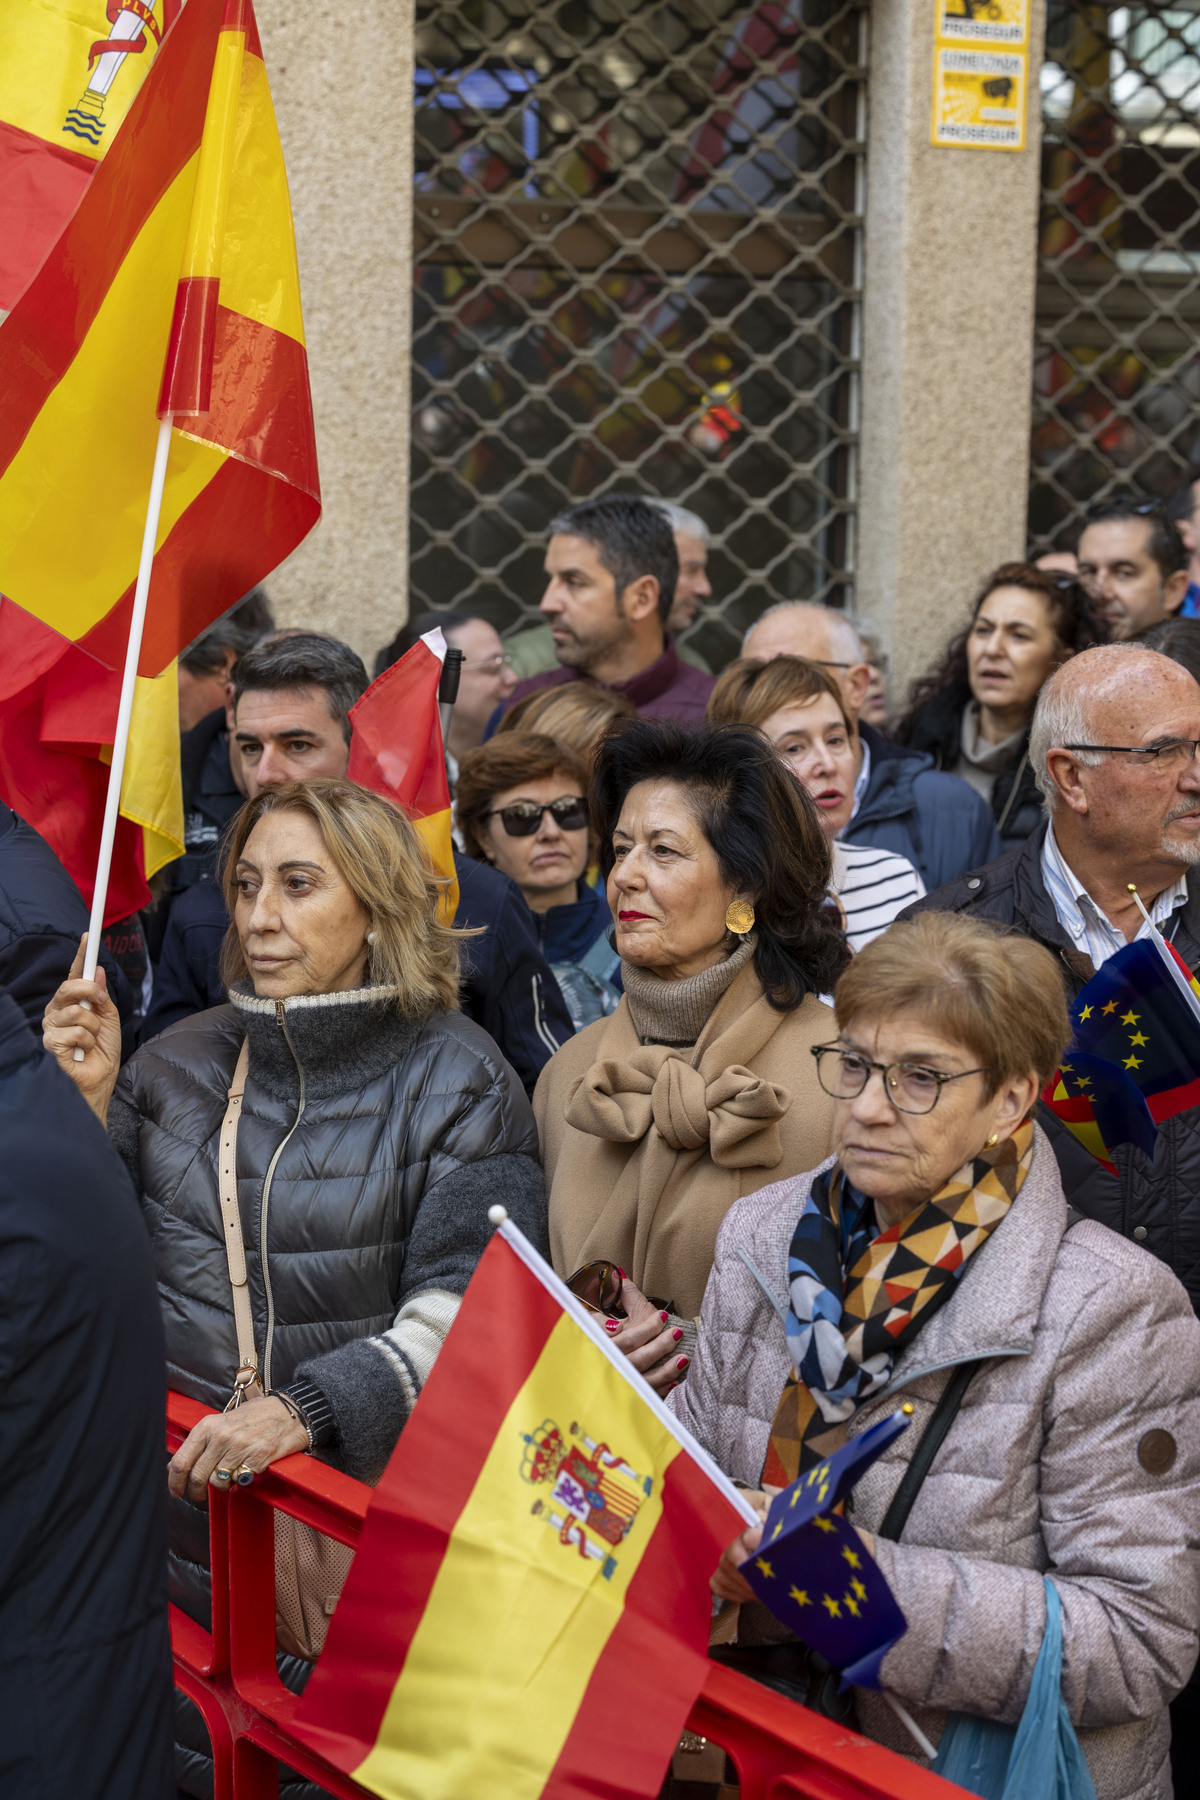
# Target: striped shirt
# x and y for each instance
(1081, 918)
(872, 885)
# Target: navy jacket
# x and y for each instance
(42, 918)
(85, 1658)
(938, 821)
(508, 987)
(567, 933)
(1156, 1202)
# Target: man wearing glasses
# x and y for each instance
(901, 802)
(1114, 747)
(1133, 563)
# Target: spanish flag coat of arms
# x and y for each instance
(528, 1612)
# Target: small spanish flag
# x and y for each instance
(397, 750)
(528, 1612)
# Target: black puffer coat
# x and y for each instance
(1155, 1203)
(369, 1151)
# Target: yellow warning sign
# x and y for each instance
(979, 98)
(1000, 22)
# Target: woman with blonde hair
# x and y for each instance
(577, 715)
(377, 1127)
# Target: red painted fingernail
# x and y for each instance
(622, 1274)
(611, 1325)
(672, 1387)
(682, 1363)
(677, 1335)
(664, 1317)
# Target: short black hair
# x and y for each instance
(304, 659)
(239, 630)
(416, 628)
(1165, 546)
(1177, 638)
(760, 821)
(632, 538)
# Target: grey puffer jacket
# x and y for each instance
(1089, 1345)
(369, 1150)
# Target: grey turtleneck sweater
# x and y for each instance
(676, 1012)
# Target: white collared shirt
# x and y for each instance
(864, 775)
(1080, 917)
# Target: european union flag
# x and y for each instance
(1137, 1027)
(812, 1569)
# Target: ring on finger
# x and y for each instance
(245, 1475)
(221, 1477)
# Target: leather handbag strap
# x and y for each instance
(932, 1438)
(231, 1219)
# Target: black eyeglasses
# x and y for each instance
(911, 1087)
(1173, 753)
(1103, 510)
(524, 817)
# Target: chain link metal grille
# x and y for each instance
(1116, 371)
(638, 265)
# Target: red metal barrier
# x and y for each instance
(782, 1751)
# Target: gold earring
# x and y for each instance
(992, 1141)
(739, 917)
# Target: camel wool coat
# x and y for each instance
(1076, 1454)
(646, 1147)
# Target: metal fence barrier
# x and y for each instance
(780, 1749)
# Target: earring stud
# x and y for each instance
(739, 917)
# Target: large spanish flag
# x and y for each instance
(397, 750)
(528, 1612)
(172, 292)
(69, 70)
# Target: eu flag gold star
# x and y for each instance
(799, 1596)
(1138, 1037)
(852, 1557)
(1130, 1018)
(849, 1601)
(1085, 1014)
(777, 1531)
(760, 1562)
(1133, 1062)
(835, 1607)
(1110, 1008)
(824, 1524)
(856, 1587)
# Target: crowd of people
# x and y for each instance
(754, 984)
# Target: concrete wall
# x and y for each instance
(341, 77)
(951, 243)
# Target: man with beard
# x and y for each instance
(611, 569)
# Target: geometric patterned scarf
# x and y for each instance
(857, 1299)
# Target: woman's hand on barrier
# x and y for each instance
(644, 1335)
(255, 1435)
(68, 1025)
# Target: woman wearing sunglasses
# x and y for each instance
(933, 1262)
(700, 1087)
(520, 806)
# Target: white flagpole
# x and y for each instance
(133, 653)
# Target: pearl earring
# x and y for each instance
(370, 937)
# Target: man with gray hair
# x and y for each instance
(901, 802)
(1113, 745)
(692, 585)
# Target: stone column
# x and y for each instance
(951, 246)
(342, 80)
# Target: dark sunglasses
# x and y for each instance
(599, 1286)
(525, 817)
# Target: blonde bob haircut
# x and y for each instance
(996, 994)
(379, 855)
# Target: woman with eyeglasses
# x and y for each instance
(700, 1087)
(520, 806)
(972, 713)
(932, 1261)
(486, 681)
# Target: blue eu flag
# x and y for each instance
(812, 1569)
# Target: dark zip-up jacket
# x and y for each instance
(85, 1657)
(1155, 1203)
(508, 986)
(567, 933)
(937, 821)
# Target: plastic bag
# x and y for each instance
(1040, 1758)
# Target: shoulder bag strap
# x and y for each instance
(235, 1248)
(932, 1437)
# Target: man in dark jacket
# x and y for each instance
(85, 1660)
(42, 918)
(291, 703)
(901, 802)
(1126, 813)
